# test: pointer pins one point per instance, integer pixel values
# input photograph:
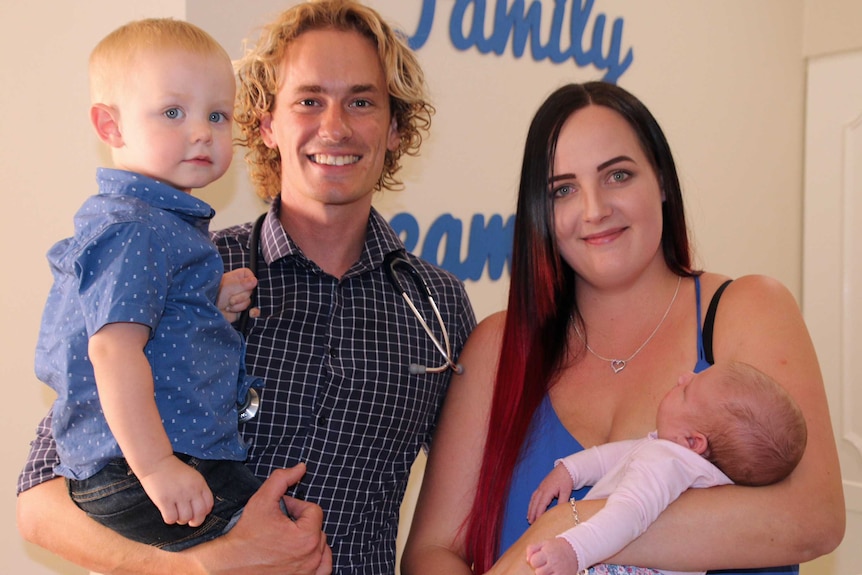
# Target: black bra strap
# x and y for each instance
(709, 322)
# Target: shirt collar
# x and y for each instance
(157, 194)
(380, 240)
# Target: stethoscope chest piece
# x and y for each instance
(250, 406)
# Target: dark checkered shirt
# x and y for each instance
(334, 355)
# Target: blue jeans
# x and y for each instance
(115, 498)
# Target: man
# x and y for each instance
(329, 100)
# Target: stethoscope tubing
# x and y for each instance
(395, 260)
(447, 352)
(254, 247)
(392, 261)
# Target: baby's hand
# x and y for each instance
(553, 557)
(556, 485)
(179, 491)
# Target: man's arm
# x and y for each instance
(264, 542)
(48, 517)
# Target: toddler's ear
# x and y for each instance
(106, 121)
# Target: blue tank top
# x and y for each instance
(548, 441)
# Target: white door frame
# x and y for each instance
(832, 272)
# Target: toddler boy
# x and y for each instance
(147, 369)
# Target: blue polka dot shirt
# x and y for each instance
(141, 253)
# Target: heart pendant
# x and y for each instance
(618, 365)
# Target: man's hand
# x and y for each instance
(266, 541)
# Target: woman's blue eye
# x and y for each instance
(563, 191)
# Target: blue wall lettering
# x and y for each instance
(489, 243)
(524, 23)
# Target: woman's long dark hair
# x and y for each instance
(542, 301)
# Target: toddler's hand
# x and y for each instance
(234, 294)
(179, 491)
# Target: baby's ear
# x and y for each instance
(698, 443)
(106, 121)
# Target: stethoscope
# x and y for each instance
(393, 262)
(251, 405)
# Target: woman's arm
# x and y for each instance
(436, 543)
(554, 521)
(796, 520)
(264, 541)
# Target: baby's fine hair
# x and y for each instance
(758, 434)
(114, 56)
(259, 77)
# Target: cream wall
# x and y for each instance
(831, 26)
(726, 80)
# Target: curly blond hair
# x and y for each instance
(259, 73)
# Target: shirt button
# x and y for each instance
(333, 352)
(322, 420)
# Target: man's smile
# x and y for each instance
(328, 160)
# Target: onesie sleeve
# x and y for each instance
(586, 467)
(654, 475)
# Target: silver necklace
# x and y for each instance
(620, 364)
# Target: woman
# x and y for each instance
(605, 311)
